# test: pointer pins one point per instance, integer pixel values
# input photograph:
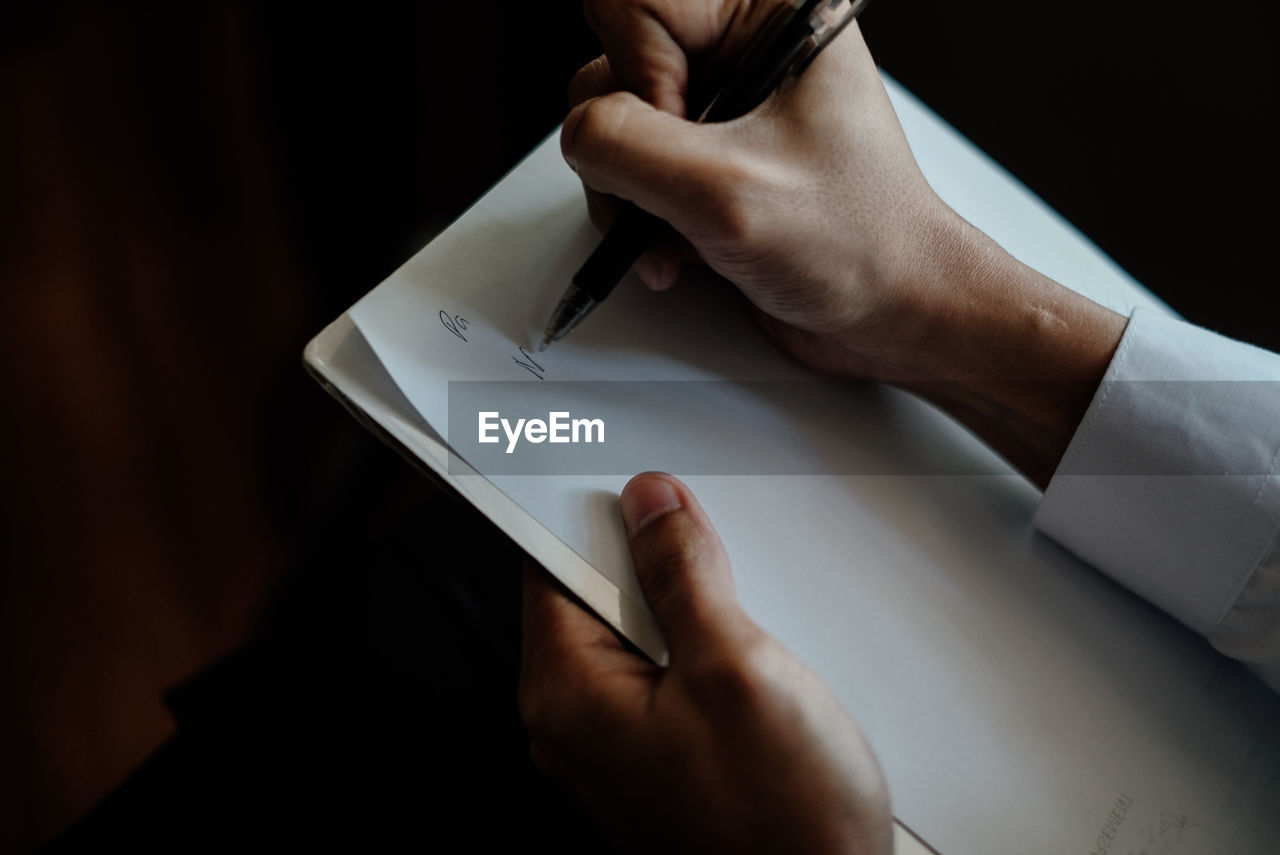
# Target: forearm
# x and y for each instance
(1011, 354)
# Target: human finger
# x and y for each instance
(681, 565)
(594, 79)
(677, 170)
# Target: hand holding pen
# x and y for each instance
(779, 47)
(813, 206)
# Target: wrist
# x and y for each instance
(1010, 353)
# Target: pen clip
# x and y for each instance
(792, 37)
(826, 22)
(760, 42)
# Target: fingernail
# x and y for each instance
(646, 267)
(645, 499)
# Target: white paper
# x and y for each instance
(1019, 702)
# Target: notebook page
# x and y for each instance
(1018, 700)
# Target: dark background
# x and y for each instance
(191, 191)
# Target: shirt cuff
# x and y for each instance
(1251, 629)
(1170, 484)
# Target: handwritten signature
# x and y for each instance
(454, 323)
(457, 325)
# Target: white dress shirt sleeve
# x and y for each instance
(1171, 484)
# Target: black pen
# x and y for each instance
(782, 49)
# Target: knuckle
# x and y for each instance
(732, 684)
(557, 715)
(602, 121)
(728, 194)
(724, 191)
(667, 564)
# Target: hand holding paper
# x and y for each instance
(736, 746)
(997, 677)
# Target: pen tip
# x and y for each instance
(546, 342)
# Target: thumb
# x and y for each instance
(681, 565)
(671, 167)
